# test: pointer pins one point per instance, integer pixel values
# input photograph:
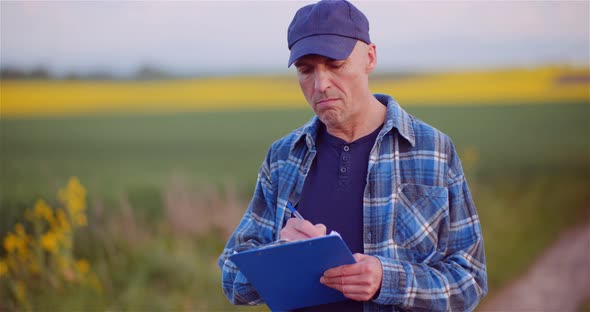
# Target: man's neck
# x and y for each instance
(371, 119)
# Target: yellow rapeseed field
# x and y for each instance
(548, 84)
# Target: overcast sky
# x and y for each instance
(247, 36)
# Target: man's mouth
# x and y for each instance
(325, 101)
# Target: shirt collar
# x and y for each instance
(395, 117)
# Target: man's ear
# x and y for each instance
(371, 57)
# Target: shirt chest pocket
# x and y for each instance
(420, 218)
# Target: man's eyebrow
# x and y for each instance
(332, 61)
(299, 63)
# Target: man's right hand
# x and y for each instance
(297, 229)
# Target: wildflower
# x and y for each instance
(15, 242)
(49, 241)
(19, 229)
(49, 250)
(83, 266)
(18, 242)
(3, 267)
(42, 210)
(10, 242)
(63, 223)
(73, 196)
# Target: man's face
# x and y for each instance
(337, 90)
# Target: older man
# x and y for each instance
(390, 184)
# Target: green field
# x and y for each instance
(528, 167)
(112, 154)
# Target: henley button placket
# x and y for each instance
(344, 168)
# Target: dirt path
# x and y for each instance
(558, 281)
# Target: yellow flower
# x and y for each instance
(64, 238)
(76, 204)
(15, 242)
(10, 242)
(49, 241)
(83, 266)
(63, 221)
(42, 210)
(20, 230)
(73, 196)
(3, 267)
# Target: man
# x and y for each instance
(391, 185)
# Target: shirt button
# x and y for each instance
(343, 170)
(346, 148)
(344, 157)
(369, 236)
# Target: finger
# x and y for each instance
(297, 229)
(289, 232)
(359, 281)
(292, 235)
(350, 269)
(353, 287)
(353, 291)
(307, 228)
(321, 228)
(363, 280)
(359, 257)
(343, 270)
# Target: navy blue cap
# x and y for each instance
(329, 28)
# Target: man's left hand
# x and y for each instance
(359, 281)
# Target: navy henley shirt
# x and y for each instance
(333, 194)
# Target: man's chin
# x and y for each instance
(330, 118)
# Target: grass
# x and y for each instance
(528, 167)
(117, 154)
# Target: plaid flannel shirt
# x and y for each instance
(419, 217)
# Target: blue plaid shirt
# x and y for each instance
(419, 217)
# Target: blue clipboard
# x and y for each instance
(287, 276)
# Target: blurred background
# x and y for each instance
(131, 134)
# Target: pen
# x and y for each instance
(294, 212)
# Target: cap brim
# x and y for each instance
(330, 46)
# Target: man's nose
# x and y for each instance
(322, 80)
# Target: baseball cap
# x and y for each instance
(329, 28)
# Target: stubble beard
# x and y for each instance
(331, 118)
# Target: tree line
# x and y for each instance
(41, 73)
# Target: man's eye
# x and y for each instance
(304, 70)
(336, 65)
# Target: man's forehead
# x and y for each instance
(312, 59)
